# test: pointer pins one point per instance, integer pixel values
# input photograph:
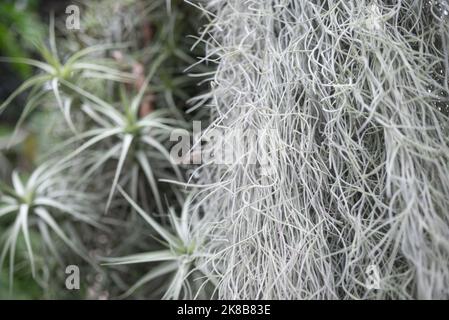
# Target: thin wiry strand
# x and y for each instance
(349, 100)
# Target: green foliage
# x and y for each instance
(20, 30)
(180, 257)
(35, 202)
(56, 73)
(100, 108)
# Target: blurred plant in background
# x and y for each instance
(93, 115)
(20, 30)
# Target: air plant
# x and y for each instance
(132, 136)
(181, 258)
(56, 73)
(19, 27)
(43, 201)
(355, 95)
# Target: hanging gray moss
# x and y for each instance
(350, 102)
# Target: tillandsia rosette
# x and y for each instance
(115, 89)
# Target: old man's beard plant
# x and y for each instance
(354, 95)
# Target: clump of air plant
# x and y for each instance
(180, 259)
(60, 76)
(120, 113)
(137, 139)
(45, 202)
(355, 97)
